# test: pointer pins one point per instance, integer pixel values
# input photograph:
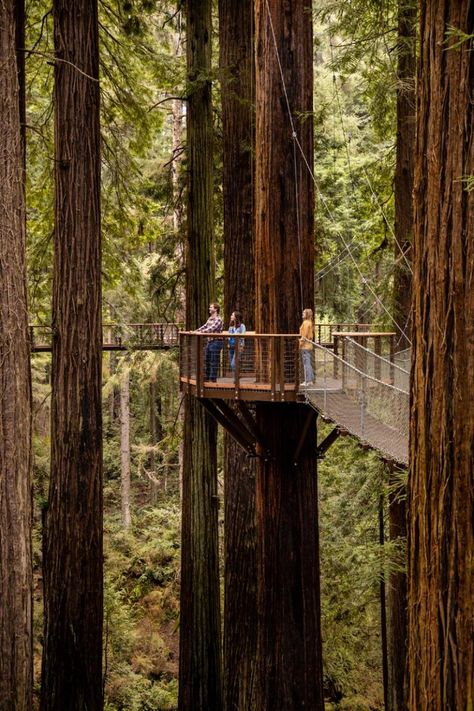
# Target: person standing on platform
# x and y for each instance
(306, 346)
(213, 345)
(236, 326)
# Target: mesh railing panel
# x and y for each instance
(253, 362)
(141, 334)
(403, 359)
(381, 367)
(371, 409)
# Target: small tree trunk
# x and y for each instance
(179, 112)
(16, 652)
(404, 168)
(125, 448)
(397, 597)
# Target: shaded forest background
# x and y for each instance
(143, 95)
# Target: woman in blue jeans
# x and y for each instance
(236, 326)
(306, 346)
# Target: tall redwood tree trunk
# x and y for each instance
(16, 653)
(441, 535)
(200, 648)
(236, 23)
(289, 664)
(73, 569)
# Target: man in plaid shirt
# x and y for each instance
(214, 345)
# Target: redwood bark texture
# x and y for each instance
(16, 654)
(236, 22)
(441, 536)
(236, 36)
(200, 687)
(73, 568)
(289, 664)
(404, 169)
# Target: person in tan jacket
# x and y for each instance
(306, 346)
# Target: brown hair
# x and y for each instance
(216, 306)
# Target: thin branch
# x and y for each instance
(40, 37)
(167, 98)
(50, 56)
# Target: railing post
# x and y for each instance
(392, 359)
(237, 368)
(181, 361)
(324, 380)
(378, 352)
(273, 366)
(336, 353)
(297, 364)
(199, 368)
(281, 352)
(190, 353)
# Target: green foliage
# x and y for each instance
(355, 102)
(352, 562)
(139, 68)
(141, 610)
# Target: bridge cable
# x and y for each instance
(366, 175)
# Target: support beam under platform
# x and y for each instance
(230, 421)
(328, 441)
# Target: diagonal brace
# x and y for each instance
(323, 446)
(235, 428)
(310, 417)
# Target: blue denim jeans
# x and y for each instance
(306, 356)
(213, 352)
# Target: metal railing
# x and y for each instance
(323, 332)
(261, 366)
(366, 394)
(118, 336)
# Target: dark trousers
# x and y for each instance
(212, 357)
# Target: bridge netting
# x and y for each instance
(365, 393)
